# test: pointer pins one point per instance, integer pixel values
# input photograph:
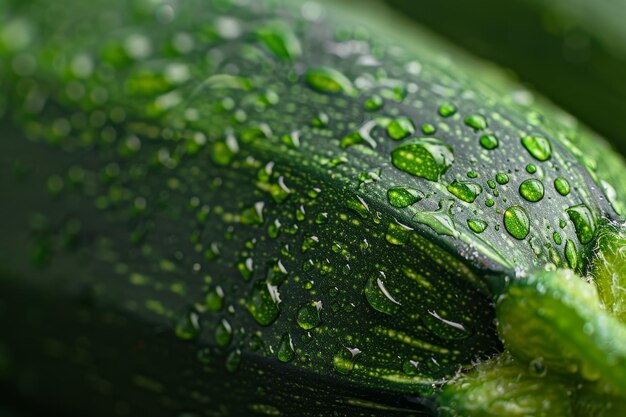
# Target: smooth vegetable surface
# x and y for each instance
(277, 208)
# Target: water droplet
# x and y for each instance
(400, 128)
(245, 267)
(403, 196)
(379, 297)
(424, 157)
(517, 222)
(477, 225)
(476, 122)
(223, 333)
(443, 327)
(538, 146)
(531, 169)
(188, 328)
(440, 220)
(254, 214)
(309, 243)
(489, 202)
(280, 40)
(397, 234)
(321, 120)
(328, 80)
(489, 142)
(571, 254)
(364, 134)
(532, 190)
(343, 361)
(358, 205)
(502, 178)
(214, 299)
(409, 367)
(233, 360)
(263, 303)
(583, 221)
(374, 103)
(428, 129)
(447, 110)
(557, 238)
(309, 315)
(465, 190)
(286, 351)
(562, 186)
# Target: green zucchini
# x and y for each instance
(581, 59)
(234, 208)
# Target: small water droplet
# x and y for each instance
(476, 121)
(428, 129)
(343, 361)
(263, 303)
(531, 169)
(502, 178)
(309, 315)
(400, 128)
(517, 222)
(538, 146)
(447, 110)
(562, 186)
(223, 333)
(465, 190)
(286, 351)
(403, 196)
(489, 142)
(378, 296)
(280, 40)
(584, 222)
(532, 190)
(188, 328)
(233, 360)
(374, 103)
(328, 80)
(214, 299)
(424, 157)
(477, 225)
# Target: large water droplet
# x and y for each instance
(309, 315)
(444, 327)
(263, 303)
(440, 220)
(403, 196)
(379, 297)
(424, 157)
(571, 254)
(538, 146)
(328, 80)
(583, 221)
(465, 190)
(532, 190)
(517, 222)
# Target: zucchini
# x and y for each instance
(580, 64)
(233, 208)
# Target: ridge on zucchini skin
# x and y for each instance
(308, 193)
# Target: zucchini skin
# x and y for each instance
(127, 278)
(580, 63)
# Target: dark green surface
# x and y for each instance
(142, 179)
